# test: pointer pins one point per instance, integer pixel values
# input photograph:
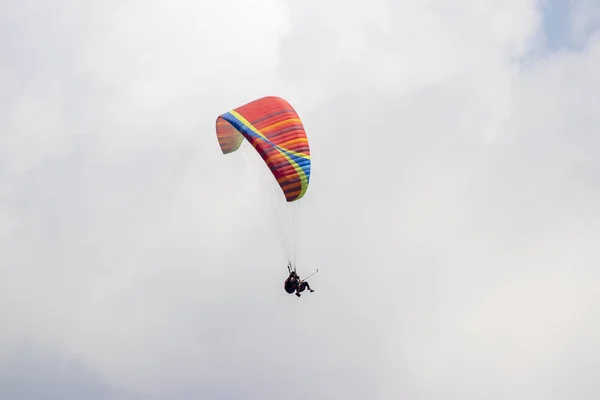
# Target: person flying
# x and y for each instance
(293, 283)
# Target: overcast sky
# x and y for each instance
(453, 210)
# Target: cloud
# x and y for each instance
(35, 374)
(452, 210)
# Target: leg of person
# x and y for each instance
(303, 286)
(308, 287)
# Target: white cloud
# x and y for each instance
(452, 210)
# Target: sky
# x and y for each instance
(453, 209)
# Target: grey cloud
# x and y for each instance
(452, 216)
(33, 373)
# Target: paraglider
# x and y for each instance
(294, 284)
(276, 132)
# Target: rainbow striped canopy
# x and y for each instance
(274, 129)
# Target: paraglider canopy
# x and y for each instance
(274, 129)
